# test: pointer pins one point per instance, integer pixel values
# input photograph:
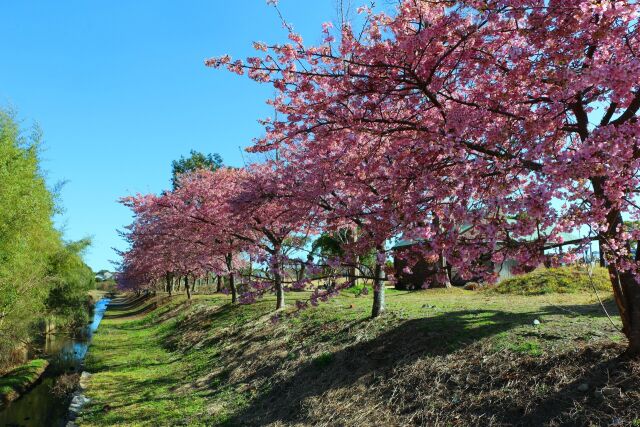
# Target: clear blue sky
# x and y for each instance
(120, 90)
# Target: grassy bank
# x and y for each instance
(438, 357)
(19, 380)
(556, 280)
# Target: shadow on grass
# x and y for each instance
(129, 395)
(103, 366)
(139, 312)
(368, 362)
(364, 362)
(140, 306)
(128, 303)
(222, 316)
(582, 401)
(589, 310)
(379, 359)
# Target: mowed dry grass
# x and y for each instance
(437, 357)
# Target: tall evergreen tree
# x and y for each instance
(195, 161)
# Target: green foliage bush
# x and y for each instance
(108, 285)
(555, 280)
(358, 289)
(40, 275)
(70, 280)
(195, 161)
(27, 235)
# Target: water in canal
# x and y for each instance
(40, 407)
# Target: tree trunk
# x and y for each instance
(186, 286)
(378, 292)
(626, 290)
(601, 253)
(219, 284)
(352, 275)
(444, 272)
(232, 281)
(232, 286)
(168, 287)
(303, 271)
(300, 273)
(277, 279)
(353, 270)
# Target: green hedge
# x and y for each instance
(555, 280)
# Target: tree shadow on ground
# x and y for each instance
(605, 391)
(128, 302)
(137, 307)
(227, 316)
(506, 395)
(366, 362)
(589, 310)
(520, 379)
(143, 309)
(130, 395)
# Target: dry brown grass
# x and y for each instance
(372, 383)
(65, 384)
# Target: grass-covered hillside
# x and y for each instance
(556, 280)
(438, 357)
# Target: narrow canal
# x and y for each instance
(42, 405)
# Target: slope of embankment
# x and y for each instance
(438, 357)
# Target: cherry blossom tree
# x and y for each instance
(493, 126)
(164, 245)
(274, 225)
(202, 203)
(351, 194)
(149, 258)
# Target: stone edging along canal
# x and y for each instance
(78, 400)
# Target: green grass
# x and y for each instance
(209, 363)
(138, 371)
(20, 379)
(323, 360)
(555, 280)
(532, 348)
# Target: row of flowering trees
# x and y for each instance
(475, 128)
(218, 222)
